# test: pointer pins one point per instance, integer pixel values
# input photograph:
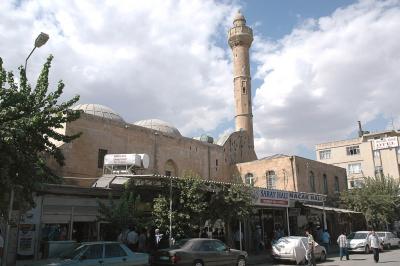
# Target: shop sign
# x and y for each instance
(385, 143)
(269, 197)
(122, 159)
(26, 239)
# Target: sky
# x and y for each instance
(317, 66)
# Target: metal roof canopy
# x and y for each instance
(330, 209)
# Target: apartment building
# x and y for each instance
(371, 154)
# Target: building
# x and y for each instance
(371, 154)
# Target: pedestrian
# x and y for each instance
(238, 237)
(133, 239)
(142, 240)
(310, 248)
(1, 246)
(221, 235)
(158, 236)
(343, 248)
(204, 233)
(326, 239)
(123, 236)
(373, 241)
(258, 239)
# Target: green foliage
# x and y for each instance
(378, 199)
(121, 212)
(29, 119)
(195, 201)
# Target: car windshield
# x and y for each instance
(287, 240)
(357, 236)
(73, 252)
(381, 234)
(180, 243)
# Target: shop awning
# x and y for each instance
(329, 209)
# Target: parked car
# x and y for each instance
(388, 239)
(357, 242)
(293, 248)
(199, 252)
(99, 253)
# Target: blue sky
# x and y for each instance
(317, 66)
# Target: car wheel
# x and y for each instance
(323, 256)
(241, 262)
(198, 263)
(366, 251)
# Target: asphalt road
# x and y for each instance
(387, 258)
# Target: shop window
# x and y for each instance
(114, 250)
(55, 232)
(100, 158)
(325, 183)
(271, 179)
(325, 154)
(353, 150)
(249, 179)
(312, 181)
(336, 184)
(354, 168)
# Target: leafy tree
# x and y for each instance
(120, 213)
(378, 199)
(29, 120)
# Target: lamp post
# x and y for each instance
(41, 39)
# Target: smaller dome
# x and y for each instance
(159, 125)
(99, 110)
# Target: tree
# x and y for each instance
(378, 199)
(29, 120)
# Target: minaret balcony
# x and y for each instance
(240, 35)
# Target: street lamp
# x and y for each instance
(41, 39)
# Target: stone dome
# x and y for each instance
(100, 111)
(159, 125)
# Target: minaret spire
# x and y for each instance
(240, 38)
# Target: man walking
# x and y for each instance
(310, 249)
(373, 241)
(342, 241)
(326, 239)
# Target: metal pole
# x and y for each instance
(324, 215)
(7, 236)
(26, 60)
(240, 234)
(287, 218)
(170, 212)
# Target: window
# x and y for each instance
(94, 252)
(353, 150)
(216, 162)
(354, 168)
(100, 158)
(336, 184)
(244, 91)
(356, 183)
(378, 171)
(271, 179)
(377, 154)
(114, 250)
(312, 181)
(249, 179)
(168, 173)
(325, 154)
(325, 183)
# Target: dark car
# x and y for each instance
(199, 252)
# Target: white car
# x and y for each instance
(293, 248)
(357, 242)
(388, 239)
(99, 253)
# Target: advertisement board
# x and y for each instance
(279, 198)
(385, 143)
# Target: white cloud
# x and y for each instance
(144, 59)
(327, 74)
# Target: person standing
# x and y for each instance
(342, 241)
(373, 241)
(258, 239)
(158, 236)
(238, 237)
(310, 249)
(326, 239)
(133, 239)
(142, 240)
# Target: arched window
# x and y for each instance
(312, 181)
(336, 184)
(170, 168)
(325, 183)
(249, 179)
(271, 179)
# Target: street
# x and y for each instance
(389, 258)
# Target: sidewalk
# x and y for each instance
(262, 258)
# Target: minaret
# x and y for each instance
(240, 38)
